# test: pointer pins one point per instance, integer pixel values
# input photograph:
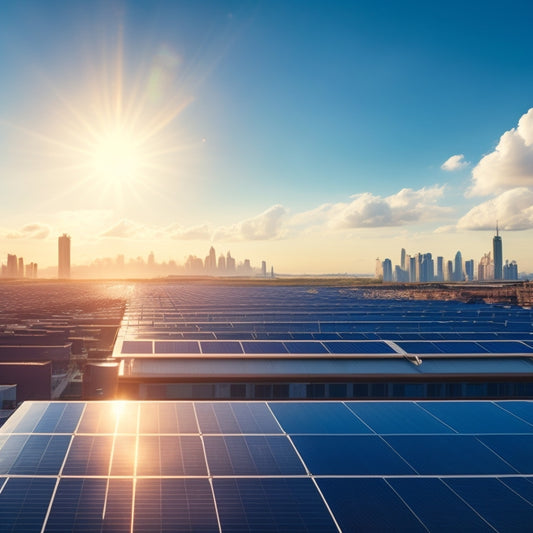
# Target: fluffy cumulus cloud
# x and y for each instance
(29, 231)
(265, 226)
(455, 162)
(366, 210)
(510, 165)
(201, 232)
(512, 209)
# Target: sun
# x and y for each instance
(116, 158)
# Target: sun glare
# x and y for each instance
(116, 159)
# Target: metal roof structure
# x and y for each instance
(267, 466)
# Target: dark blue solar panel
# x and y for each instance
(89, 455)
(521, 485)
(317, 417)
(170, 455)
(41, 455)
(367, 505)
(176, 347)
(305, 347)
(521, 409)
(221, 347)
(418, 347)
(440, 509)
(476, 417)
(325, 336)
(91, 505)
(353, 454)
(290, 505)
(174, 505)
(137, 347)
(223, 417)
(459, 347)
(59, 417)
(517, 450)
(24, 503)
(497, 504)
(397, 417)
(358, 347)
(264, 347)
(448, 455)
(352, 336)
(251, 455)
(10, 448)
(506, 347)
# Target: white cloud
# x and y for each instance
(513, 210)
(265, 226)
(510, 165)
(370, 211)
(126, 229)
(36, 231)
(201, 232)
(455, 162)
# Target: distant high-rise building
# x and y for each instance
(449, 271)
(469, 270)
(211, 261)
(402, 260)
(63, 269)
(412, 269)
(440, 268)
(12, 266)
(498, 255)
(221, 264)
(21, 267)
(230, 264)
(263, 268)
(379, 268)
(387, 270)
(510, 270)
(485, 268)
(458, 267)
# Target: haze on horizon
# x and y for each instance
(314, 136)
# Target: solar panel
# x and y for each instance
(176, 347)
(267, 504)
(334, 455)
(305, 347)
(465, 455)
(318, 418)
(358, 347)
(436, 505)
(268, 466)
(221, 347)
(264, 347)
(251, 455)
(477, 417)
(503, 508)
(397, 417)
(368, 505)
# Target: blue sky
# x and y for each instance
(310, 134)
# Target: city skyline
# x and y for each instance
(318, 138)
(422, 267)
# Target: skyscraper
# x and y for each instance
(63, 245)
(458, 267)
(498, 255)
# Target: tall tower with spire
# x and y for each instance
(497, 254)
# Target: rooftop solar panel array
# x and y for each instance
(267, 466)
(195, 320)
